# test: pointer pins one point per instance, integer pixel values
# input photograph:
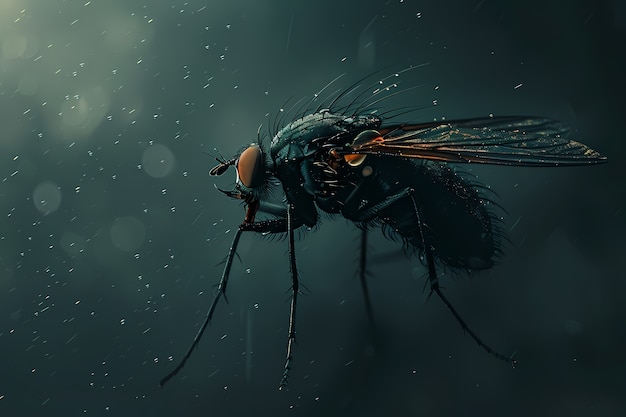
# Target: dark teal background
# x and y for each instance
(109, 251)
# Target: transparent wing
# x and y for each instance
(525, 141)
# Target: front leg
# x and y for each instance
(221, 290)
(287, 224)
(280, 225)
(294, 297)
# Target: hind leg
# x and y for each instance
(367, 213)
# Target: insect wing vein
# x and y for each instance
(500, 140)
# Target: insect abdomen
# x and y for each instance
(455, 220)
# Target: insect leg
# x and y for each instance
(267, 226)
(367, 213)
(364, 214)
(360, 215)
(363, 278)
(434, 286)
(276, 209)
(289, 224)
(294, 296)
(221, 290)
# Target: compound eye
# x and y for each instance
(251, 167)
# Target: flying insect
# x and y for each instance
(346, 158)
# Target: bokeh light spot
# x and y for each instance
(47, 197)
(158, 161)
(128, 233)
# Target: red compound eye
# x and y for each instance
(251, 167)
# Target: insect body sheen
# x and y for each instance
(353, 161)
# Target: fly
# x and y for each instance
(349, 160)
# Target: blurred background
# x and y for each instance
(111, 231)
